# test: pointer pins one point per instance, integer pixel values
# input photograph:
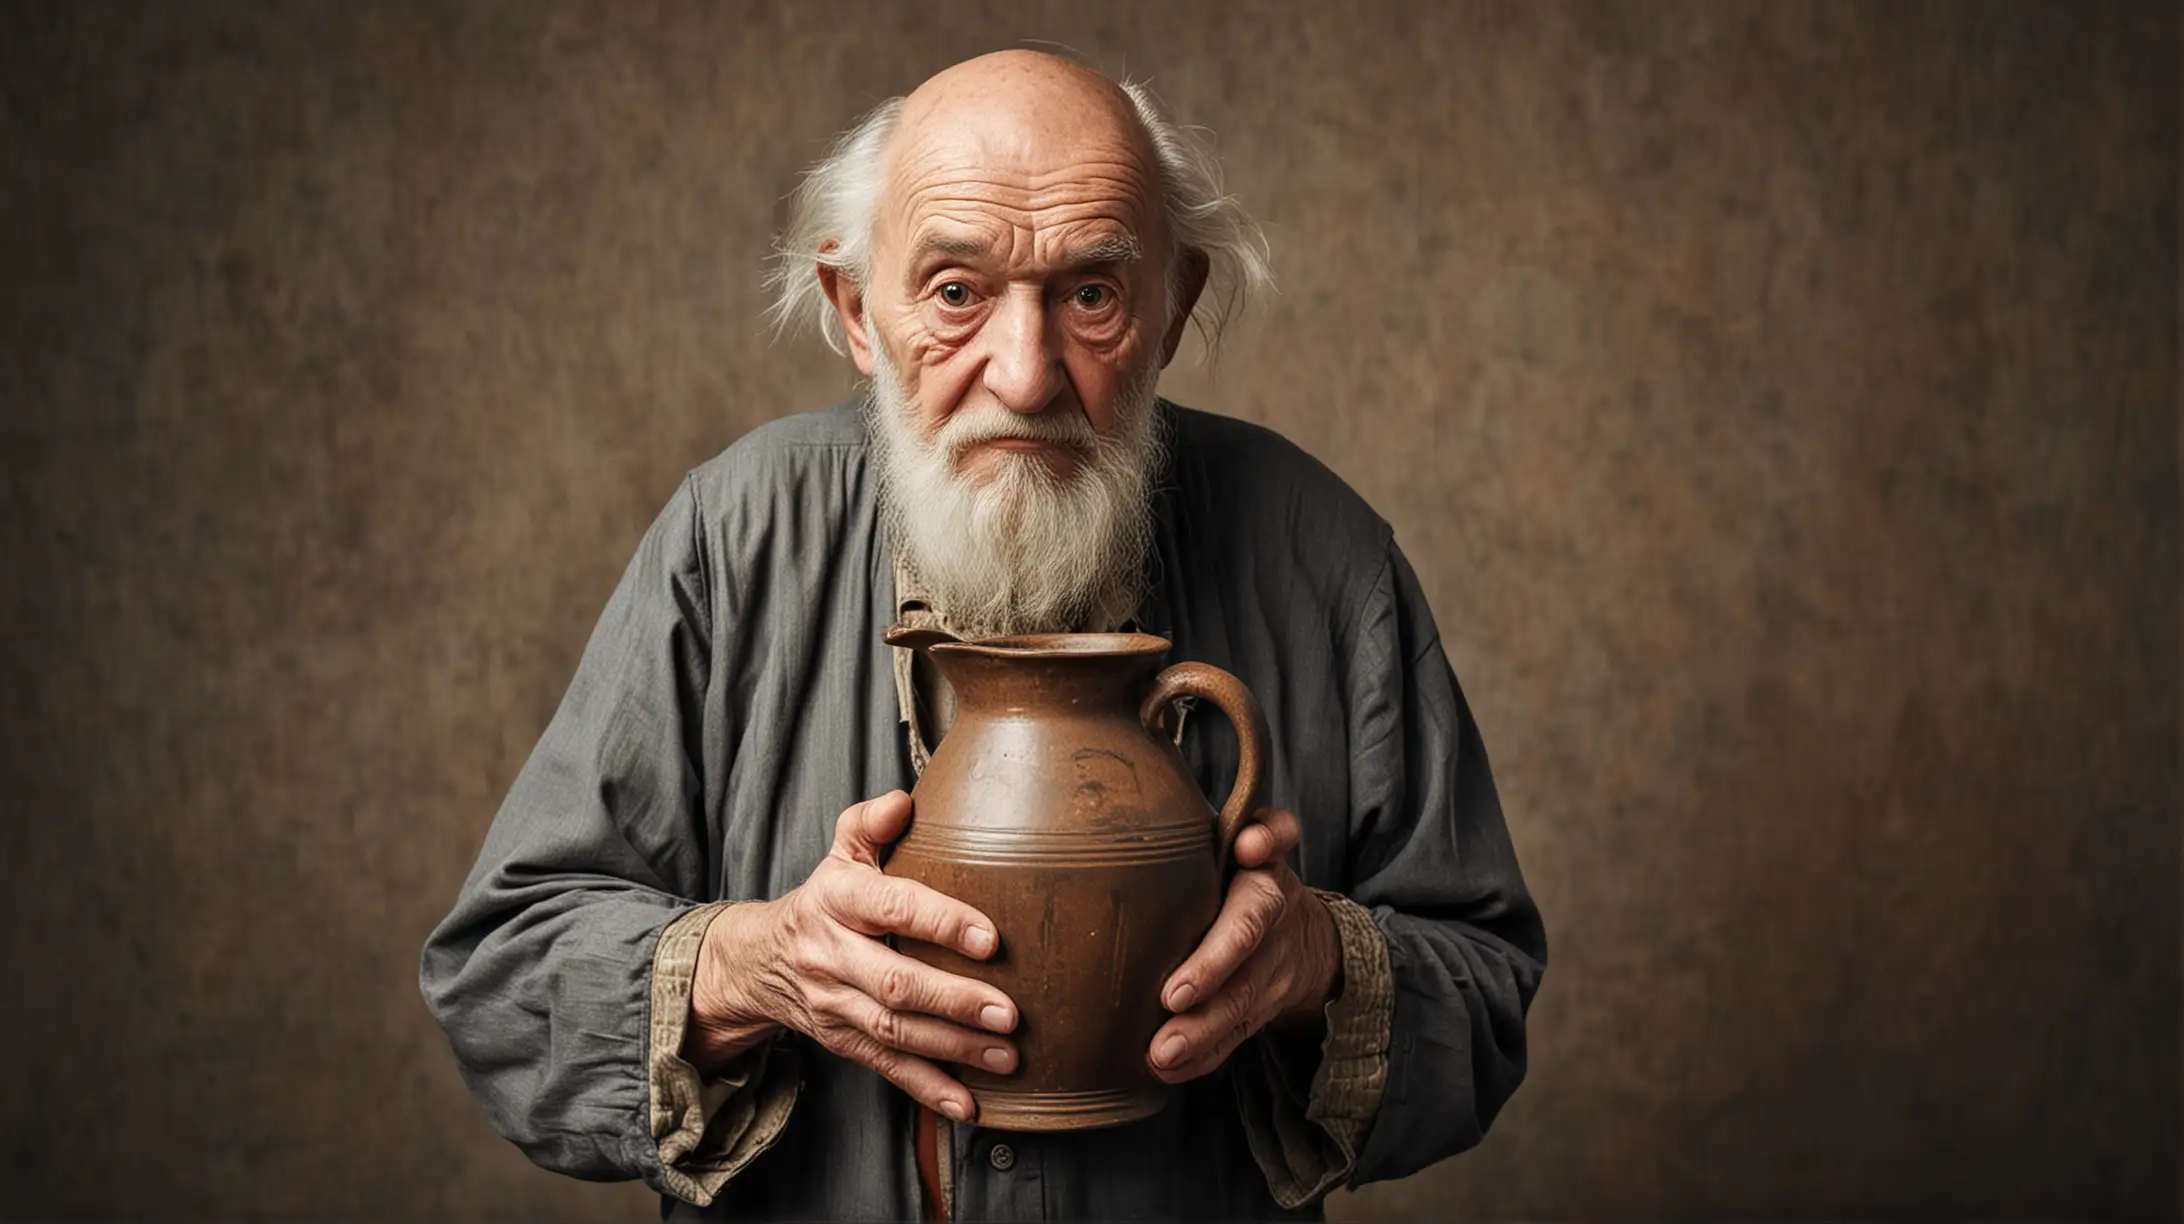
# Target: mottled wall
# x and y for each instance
(1779, 402)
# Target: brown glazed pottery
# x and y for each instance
(1058, 805)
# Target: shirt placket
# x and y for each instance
(1000, 1175)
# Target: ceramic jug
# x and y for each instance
(1058, 805)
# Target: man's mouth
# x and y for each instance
(994, 456)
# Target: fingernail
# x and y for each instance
(955, 1109)
(1169, 1051)
(995, 1017)
(997, 1058)
(978, 941)
(1184, 996)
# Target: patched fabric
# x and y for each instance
(708, 1129)
(1307, 1117)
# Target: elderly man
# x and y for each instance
(669, 961)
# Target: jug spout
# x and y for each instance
(917, 639)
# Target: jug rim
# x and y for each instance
(1059, 646)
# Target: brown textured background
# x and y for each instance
(1779, 402)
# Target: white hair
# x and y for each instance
(832, 210)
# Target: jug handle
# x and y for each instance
(1210, 683)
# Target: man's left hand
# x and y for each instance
(1272, 957)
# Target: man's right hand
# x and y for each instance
(812, 961)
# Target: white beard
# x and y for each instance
(1025, 550)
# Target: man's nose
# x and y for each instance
(1024, 365)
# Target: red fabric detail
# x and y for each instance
(936, 1210)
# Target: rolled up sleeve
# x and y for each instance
(708, 1128)
(547, 975)
(1306, 1112)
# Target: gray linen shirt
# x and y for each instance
(736, 696)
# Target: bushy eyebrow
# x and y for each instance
(1115, 248)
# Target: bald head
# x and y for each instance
(1046, 73)
(1026, 108)
(1040, 87)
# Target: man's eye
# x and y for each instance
(955, 293)
(1092, 297)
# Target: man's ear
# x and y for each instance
(1188, 286)
(848, 299)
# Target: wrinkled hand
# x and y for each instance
(811, 961)
(1272, 957)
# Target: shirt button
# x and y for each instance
(1002, 1157)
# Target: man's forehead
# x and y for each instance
(1011, 151)
(955, 203)
(1046, 154)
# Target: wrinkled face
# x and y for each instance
(1018, 266)
(1013, 320)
